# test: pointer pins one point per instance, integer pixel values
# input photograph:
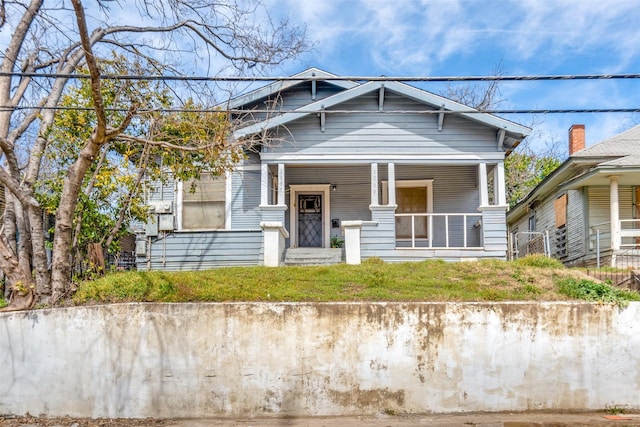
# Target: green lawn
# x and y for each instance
(534, 278)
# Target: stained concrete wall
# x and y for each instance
(249, 359)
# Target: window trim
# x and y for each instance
(228, 192)
(410, 183)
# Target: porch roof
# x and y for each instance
(600, 176)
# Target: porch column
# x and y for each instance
(614, 213)
(374, 184)
(352, 232)
(482, 184)
(264, 184)
(499, 188)
(280, 184)
(391, 172)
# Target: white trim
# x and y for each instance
(279, 86)
(281, 191)
(483, 186)
(247, 168)
(443, 158)
(228, 195)
(179, 188)
(294, 190)
(411, 183)
(264, 184)
(374, 185)
(391, 176)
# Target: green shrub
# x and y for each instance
(591, 291)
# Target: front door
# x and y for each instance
(310, 220)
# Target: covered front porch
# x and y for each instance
(613, 215)
(405, 210)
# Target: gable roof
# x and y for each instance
(513, 132)
(278, 86)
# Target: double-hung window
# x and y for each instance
(203, 203)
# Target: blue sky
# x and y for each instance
(470, 37)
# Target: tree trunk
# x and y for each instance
(22, 287)
(61, 262)
(40, 259)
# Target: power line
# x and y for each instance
(550, 77)
(278, 112)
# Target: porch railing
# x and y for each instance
(443, 230)
(600, 234)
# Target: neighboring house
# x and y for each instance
(589, 206)
(397, 172)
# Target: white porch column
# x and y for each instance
(499, 187)
(273, 236)
(482, 184)
(391, 172)
(615, 213)
(280, 184)
(264, 184)
(374, 184)
(352, 241)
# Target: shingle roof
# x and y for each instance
(633, 160)
(624, 144)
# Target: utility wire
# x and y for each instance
(278, 112)
(332, 78)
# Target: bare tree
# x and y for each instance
(55, 39)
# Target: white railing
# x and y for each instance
(600, 234)
(443, 230)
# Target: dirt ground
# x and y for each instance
(523, 419)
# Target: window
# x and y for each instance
(412, 197)
(203, 205)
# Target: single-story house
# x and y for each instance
(381, 168)
(589, 207)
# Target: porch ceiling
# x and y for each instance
(601, 177)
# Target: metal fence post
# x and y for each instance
(598, 249)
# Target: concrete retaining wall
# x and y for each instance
(249, 359)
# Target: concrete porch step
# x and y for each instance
(313, 256)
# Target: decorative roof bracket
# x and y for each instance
(441, 119)
(314, 89)
(501, 134)
(322, 119)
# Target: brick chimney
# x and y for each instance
(576, 139)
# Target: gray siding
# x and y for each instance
(576, 237)
(384, 133)
(494, 226)
(245, 199)
(156, 191)
(203, 250)
(378, 239)
(290, 99)
(350, 200)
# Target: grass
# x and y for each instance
(528, 279)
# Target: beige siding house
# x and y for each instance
(588, 210)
